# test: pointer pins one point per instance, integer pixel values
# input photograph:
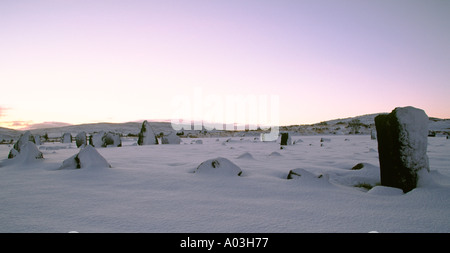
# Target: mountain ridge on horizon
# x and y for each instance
(161, 124)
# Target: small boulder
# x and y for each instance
(219, 166)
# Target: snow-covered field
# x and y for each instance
(153, 189)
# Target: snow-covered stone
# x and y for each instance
(219, 166)
(147, 136)
(23, 140)
(37, 139)
(103, 140)
(172, 138)
(96, 139)
(402, 146)
(28, 153)
(88, 157)
(66, 138)
(302, 173)
(111, 139)
(81, 139)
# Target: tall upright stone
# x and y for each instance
(66, 138)
(81, 139)
(402, 146)
(285, 139)
(147, 136)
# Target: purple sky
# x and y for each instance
(94, 61)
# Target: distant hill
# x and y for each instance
(360, 125)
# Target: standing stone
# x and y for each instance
(103, 140)
(402, 146)
(111, 139)
(147, 136)
(81, 139)
(66, 138)
(96, 139)
(373, 134)
(171, 138)
(286, 139)
(37, 139)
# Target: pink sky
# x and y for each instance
(117, 61)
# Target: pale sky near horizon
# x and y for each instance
(80, 61)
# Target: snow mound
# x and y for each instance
(88, 157)
(246, 155)
(197, 142)
(219, 166)
(297, 141)
(360, 174)
(275, 154)
(302, 173)
(385, 190)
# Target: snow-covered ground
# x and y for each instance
(154, 189)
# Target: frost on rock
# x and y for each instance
(172, 138)
(402, 146)
(81, 139)
(219, 166)
(88, 157)
(147, 136)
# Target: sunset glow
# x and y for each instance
(117, 61)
